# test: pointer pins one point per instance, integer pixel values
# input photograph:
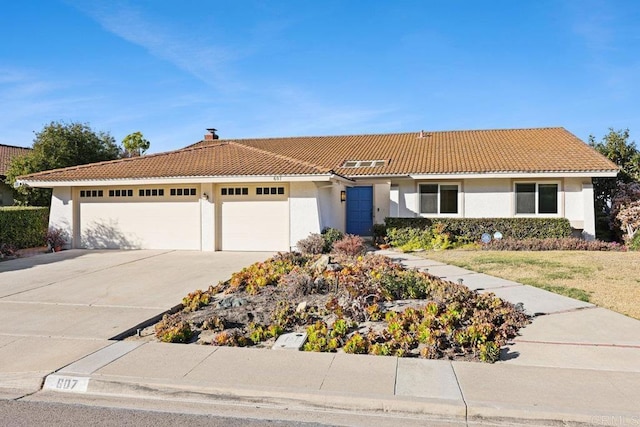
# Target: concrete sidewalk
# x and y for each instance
(456, 392)
(575, 364)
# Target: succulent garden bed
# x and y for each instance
(356, 304)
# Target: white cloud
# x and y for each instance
(593, 21)
(249, 107)
(29, 99)
(194, 53)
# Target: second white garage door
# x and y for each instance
(254, 218)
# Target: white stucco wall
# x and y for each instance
(61, 214)
(208, 217)
(332, 210)
(487, 198)
(407, 199)
(589, 229)
(304, 211)
(574, 202)
(381, 201)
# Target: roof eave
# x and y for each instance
(518, 175)
(179, 180)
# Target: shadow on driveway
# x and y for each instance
(35, 260)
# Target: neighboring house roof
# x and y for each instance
(8, 152)
(418, 153)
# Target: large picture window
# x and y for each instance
(438, 199)
(532, 198)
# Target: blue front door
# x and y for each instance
(360, 210)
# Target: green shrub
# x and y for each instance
(634, 243)
(330, 236)
(196, 300)
(260, 274)
(23, 227)
(350, 245)
(312, 245)
(409, 237)
(412, 239)
(379, 233)
(563, 244)
(473, 228)
(420, 223)
(357, 344)
(173, 329)
(405, 285)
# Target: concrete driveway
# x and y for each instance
(55, 308)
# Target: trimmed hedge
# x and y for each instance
(23, 227)
(562, 244)
(473, 228)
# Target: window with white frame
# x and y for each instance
(536, 198)
(438, 199)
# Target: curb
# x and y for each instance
(442, 410)
(432, 409)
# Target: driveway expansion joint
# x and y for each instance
(464, 401)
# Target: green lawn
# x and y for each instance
(607, 279)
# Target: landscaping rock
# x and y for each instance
(302, 307)
(321, 264)
(229, 302)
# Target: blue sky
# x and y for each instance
(281, 68)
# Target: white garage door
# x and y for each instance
(124, 218)
(254, 218)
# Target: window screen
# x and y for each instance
(429, 198)
(525, 198)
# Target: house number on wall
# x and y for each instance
(277, 178)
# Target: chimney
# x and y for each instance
(421, 135)
(211, 135)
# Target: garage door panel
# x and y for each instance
(255, 225)
(140, 225)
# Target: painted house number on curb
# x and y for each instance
(66, 384)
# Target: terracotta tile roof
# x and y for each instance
(7, 152)
(452, 152)
(216, 159)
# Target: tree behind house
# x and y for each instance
(135, 144)
(60, 145)
(616, 146)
